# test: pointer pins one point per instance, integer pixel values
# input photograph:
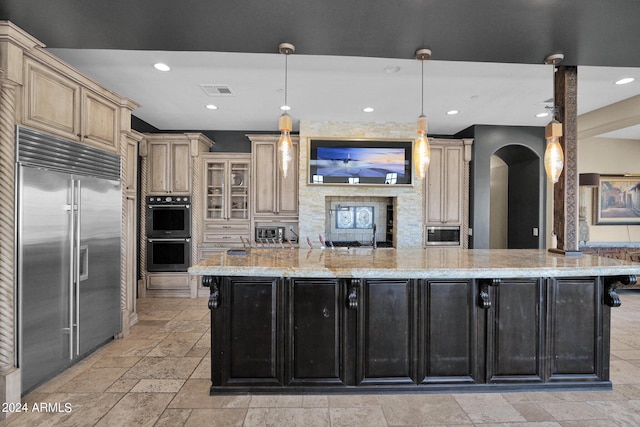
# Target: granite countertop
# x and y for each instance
(433, 263)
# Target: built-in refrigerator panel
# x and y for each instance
(44, 259)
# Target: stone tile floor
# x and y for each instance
(159, 376)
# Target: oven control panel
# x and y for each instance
(168, 200)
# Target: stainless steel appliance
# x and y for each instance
(168, 216)
(168, 254)
(445, 235)
(69, 219)
(168, 229)
(269, 234)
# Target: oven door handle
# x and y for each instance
(168, 240)
(169, 206)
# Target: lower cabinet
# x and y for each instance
(246, 330)
(386, 334)
(317, 333)
(306, 334)
(448, 333)
(515, 328)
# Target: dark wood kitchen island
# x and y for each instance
(413, 320)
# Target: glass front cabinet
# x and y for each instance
(226, 218)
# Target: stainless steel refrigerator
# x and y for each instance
(68, 251)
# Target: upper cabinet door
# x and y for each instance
(288, 188)
(100, 121)
(158, 168)
(169, 168)
(58, 105)
(444, 186)
(180, 168)
(51, 101)
(273, 194)
(264, 172)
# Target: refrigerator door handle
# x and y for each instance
(72, 263)
(76, 305)
(84, 263)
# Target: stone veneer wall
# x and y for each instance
(409, 199)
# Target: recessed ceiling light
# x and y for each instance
(452, 112)
(540, 115)
(211, 107)
(285, 108)
(368, 109)
(392, 69)
(625, 81)
(161, 67)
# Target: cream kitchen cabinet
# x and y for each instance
(171, 160)
(170, 164)
(58, 104)
(447, 185)
(169, 168)
(226, 198)
(274, 197)
(444, 186)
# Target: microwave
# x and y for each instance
(444, 235)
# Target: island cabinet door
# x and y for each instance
(515, 331)
(246, 332)
(386, 351)
(577, 347)
(316, 329)
(448, 332)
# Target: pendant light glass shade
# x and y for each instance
(553, 155)
(421, 149)
(285, 124)
(285, 145)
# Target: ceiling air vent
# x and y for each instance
(216, 90)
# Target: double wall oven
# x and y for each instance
(168, 228)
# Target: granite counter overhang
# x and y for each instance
(410, 263)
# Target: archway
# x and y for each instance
(515, 198)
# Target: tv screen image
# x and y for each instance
(360, 162)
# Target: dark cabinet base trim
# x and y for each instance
(417, 389)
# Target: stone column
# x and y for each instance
(10, 383)
(565, 191)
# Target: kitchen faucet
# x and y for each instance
(374, 241)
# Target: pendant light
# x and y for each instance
(553, 155)
(285, 124)
(421, 148)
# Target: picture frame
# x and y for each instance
(617, 200)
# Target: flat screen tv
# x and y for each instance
(360, 162)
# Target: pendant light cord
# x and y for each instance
(422, 88)
(286, 67)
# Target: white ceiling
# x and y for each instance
(338, 88)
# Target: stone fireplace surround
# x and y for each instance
(313, 198)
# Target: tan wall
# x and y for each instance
(609, 156)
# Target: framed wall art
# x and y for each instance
(617, 200)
